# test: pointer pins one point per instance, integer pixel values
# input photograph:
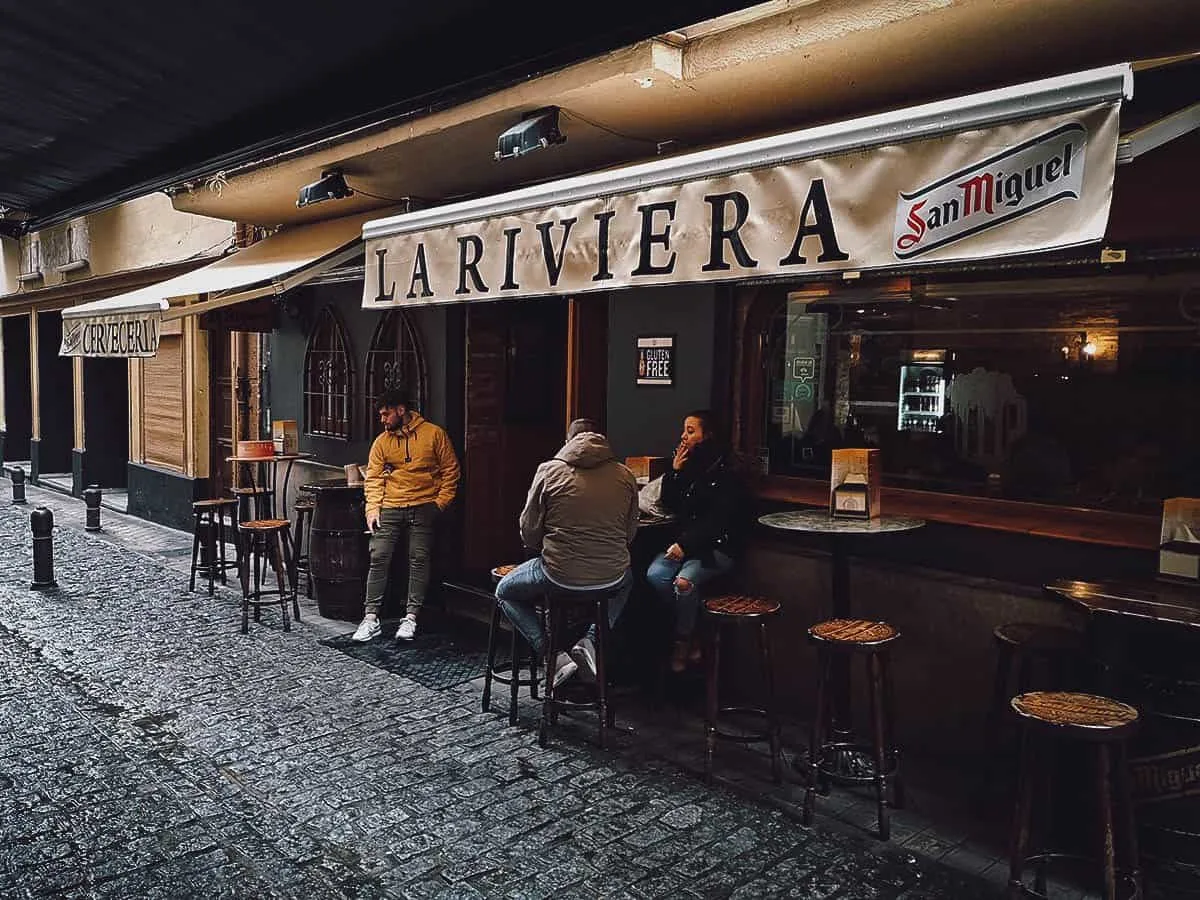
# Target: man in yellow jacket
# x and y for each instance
(412, 475)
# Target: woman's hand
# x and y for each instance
(681, 455)
(675, 553)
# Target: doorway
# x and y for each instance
(105, 422)
(18, 389)
(56, 401)
(516, 407)
(235, 397)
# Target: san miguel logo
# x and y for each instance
(1041, 171)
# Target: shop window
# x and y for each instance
(1080, 392)
(328, 379)
(395, 360)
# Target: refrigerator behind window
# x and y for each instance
(922, 398)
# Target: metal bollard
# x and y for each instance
(41, 522)
(18, 480)
(91, 499)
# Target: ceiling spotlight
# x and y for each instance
(536, 131)
(332, 186)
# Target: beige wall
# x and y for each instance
(139, 234)
(10, 249)
(150, 232)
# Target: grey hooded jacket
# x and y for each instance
(581, 513)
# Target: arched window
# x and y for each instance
(328, 379)
(395, 360)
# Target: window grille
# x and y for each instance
(395, 360)
(328, 379)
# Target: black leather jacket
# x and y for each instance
(709, 502)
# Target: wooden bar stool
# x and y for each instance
(1106, 725)
(848, 761)
(255, 504)
(267, 541)
(304, 514)
(1031, 656)
(208, 542)
(510, 675)
(554, 615)
(730, 611)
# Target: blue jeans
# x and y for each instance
(662, 574)
(527, 584)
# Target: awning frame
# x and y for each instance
(274, 288)
(1154, 135)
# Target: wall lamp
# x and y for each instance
(537, 131)
(332, 186)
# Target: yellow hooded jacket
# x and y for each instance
(412, 466)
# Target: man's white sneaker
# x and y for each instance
(584, 654)
(408, 629)
(564, 668)
(368, 628)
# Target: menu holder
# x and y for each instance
(854, 484)
(648, 467)
(1179, 543)
(285, 436)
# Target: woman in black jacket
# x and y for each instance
(707, 500)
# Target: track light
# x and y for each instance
(332, 186)
(536, 131)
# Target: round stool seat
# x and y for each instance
(1082, 715)
(854, 632)
(309, 505)
(1028, 637)
(741, 606)
(218, 503)
(250, 491)
(265, 525)
(500, 571)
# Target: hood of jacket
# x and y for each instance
(586, 451)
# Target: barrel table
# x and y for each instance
(339, 550)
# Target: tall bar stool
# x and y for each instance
(254, 503)
(554, 616)
(304, 515)
(208, 542)
(510, 675)
(1106, 725)
(848, 761)
(731, 611)
(1032, 655)
(267, 542)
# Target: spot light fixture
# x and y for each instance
(537, 131)
(332, 186)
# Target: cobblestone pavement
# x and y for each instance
(148, 749)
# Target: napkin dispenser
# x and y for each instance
(1179, 543)
(854, 484)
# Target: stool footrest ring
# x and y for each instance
(1127, 886)
(851, 762)
(746, 735)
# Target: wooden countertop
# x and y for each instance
(1091, 526)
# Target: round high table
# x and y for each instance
(267, 466)
(818, 521)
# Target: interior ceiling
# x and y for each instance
(815, 62)
(102, 102)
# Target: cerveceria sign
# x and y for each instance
(123, 336)
(1013, 188)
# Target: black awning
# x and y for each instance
(102, 102)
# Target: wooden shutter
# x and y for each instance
(163, 393)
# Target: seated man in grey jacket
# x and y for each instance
(580, 516)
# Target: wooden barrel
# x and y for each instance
(339, 554)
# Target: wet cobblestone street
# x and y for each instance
(148, 749)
